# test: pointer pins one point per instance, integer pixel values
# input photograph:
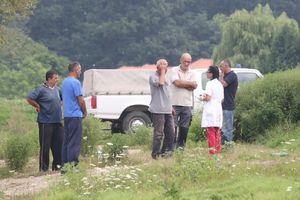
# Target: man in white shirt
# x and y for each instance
(184, 83)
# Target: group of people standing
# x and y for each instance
(171, 105)
(172, 101)
(47, 99)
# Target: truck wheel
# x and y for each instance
(134, 119)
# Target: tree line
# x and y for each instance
(106, 34)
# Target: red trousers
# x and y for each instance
(214, 139)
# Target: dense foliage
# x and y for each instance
(268, 102)
(23, 64)
(11, 9)
(257, 39)
(107, 34)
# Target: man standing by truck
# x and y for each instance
(74, 112)
(161, 111)
(184, 83)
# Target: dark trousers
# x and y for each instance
(163, 125)
(50, 137)
(182, 119)
(72, 140)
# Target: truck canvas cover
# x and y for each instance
(116, 82)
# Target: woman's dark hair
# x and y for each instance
(215, 72)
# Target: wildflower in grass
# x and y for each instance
(138, 169)
(289, 189)
(84, 138)
(110, 144)
(288, 143)
(128, 176)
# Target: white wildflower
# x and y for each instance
(288, 143)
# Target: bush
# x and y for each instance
(116, 150)
(142, 135)
(273, 100)
(93, 131)
(196, 133)
(17, 151)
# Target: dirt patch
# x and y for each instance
(12, 187)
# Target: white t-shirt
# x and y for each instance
(212, 115)
(182, 96)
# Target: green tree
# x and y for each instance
(107, 34)
(10, 9)
(255, 39)
(23, 64)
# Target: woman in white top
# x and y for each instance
(212, 116)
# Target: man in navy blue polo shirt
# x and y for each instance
(74, 112)
(229, 81)
(46, 100)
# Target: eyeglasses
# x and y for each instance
(208, 72)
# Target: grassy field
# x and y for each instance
(267, 169)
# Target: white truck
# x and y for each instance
(122, 97)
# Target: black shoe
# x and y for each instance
(155, 156)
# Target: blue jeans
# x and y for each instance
(227, 127)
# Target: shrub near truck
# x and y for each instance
(123, 97)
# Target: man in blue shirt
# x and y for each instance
(46, 100)
(74, 112)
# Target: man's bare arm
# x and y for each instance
(82, 105)
(189, 85)
(34, 104)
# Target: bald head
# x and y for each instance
(185, 61)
